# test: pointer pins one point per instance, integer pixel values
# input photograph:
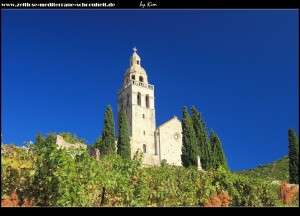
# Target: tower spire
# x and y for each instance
(135, 59)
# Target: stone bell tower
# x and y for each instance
(137, 98)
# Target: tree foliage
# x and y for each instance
(189, 141)
(123, 143)
(107, 145)
(97, 143)
(195, 142)
(277, 170)
(60, 177)
(39, 140)
(293, 157)
(71, 139)
(65, 177)
(204, 149)
(218, 155)
(50, 139)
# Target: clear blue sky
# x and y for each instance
(60, 68)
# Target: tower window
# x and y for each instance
(139, 99)
(144, 132)
(147, 101)
(138, 62)
(133, 77)
(144, 148)
(141, 79)
(143, 116)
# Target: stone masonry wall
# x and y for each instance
(63, 144)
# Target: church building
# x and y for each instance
(137, 98)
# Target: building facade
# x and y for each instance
(136, 97)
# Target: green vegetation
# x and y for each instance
(123, 143)
(107, 144)
(277, 170)
(57, 177)
(294, 157)
(97, 143)
(39, 140)
(195, 143)
(204, 149)
(218, 155)
(189, 141)
(46, 175)
(50, 139)
(71, 139)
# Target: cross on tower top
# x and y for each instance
(134, 49)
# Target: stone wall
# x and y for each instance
(63, 144)
(169, 139)
(94, 152)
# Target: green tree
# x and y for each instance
(68, 137)
(293, 157)
(218, 156)
(189, 141)
(123, 143)
(204, 150)
(39, 140)
(108, 146)
(50, 139)
(97, 143)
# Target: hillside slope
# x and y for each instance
(278, 170)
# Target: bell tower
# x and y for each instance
(137, 98)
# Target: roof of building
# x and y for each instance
(175, 117)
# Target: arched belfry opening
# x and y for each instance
(141, 79)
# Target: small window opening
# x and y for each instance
(139, 99)
(144, 148)
(147, 101)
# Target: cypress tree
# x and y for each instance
(203, 145)
(293, 157)
(39, 140)
(218, 156)
(189, 141)
(108, 146)
(50, 139)
(123, 143)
